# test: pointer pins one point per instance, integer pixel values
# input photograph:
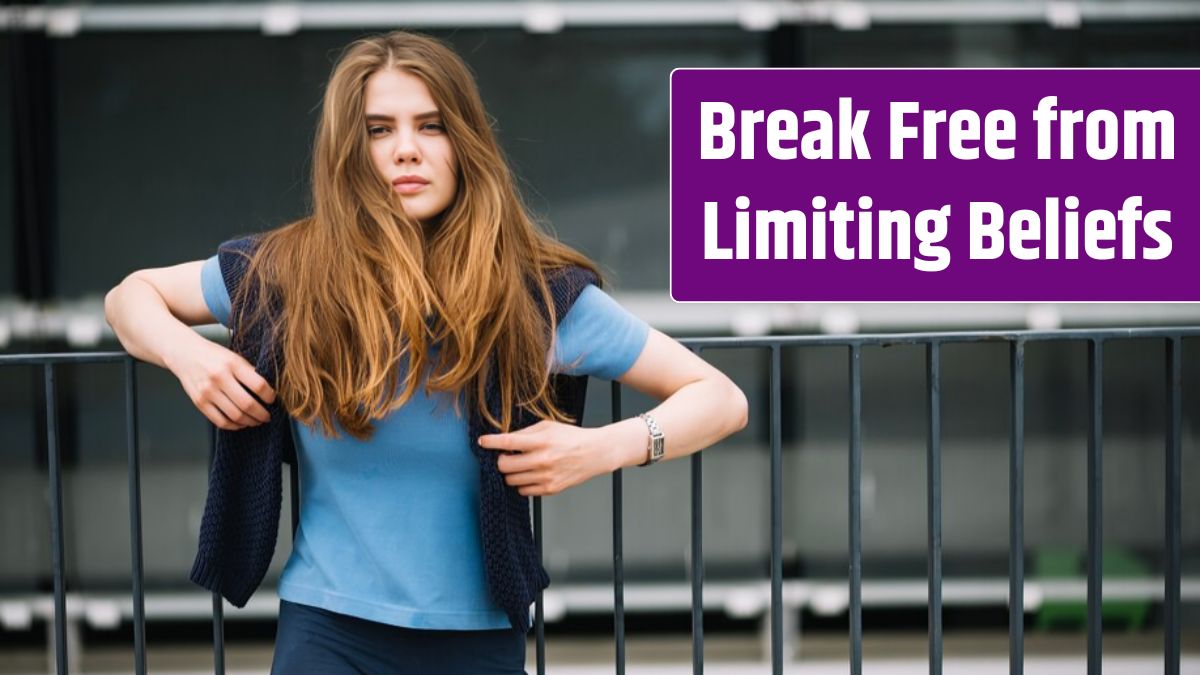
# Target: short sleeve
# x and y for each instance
(598, 337)
(216, 296)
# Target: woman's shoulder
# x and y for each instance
(276, 241)
(572, 276)
(244, 244)
(234, 258)
(236, 253)
(566, 284)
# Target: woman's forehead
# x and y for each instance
(391, 91)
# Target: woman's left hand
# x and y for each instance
(550, 456)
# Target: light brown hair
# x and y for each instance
(365, 289)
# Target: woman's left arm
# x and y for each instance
(699, 407)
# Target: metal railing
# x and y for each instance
(1016, 340)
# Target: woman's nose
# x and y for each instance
(406, 149)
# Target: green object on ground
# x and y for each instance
(1056, 564)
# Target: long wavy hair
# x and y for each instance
(362, 290)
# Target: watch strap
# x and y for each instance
(655, 443)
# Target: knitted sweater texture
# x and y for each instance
(241, 512)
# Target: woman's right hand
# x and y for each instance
(151, 311)
(217, 379)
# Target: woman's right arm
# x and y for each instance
(151, 311)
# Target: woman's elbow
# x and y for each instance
(110, 302)
(738, 406)
(113, 298)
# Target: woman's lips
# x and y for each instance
(408, 188)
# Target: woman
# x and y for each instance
(419, 345)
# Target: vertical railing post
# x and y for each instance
(933, 492)
(855, 509)
(697, 509)
(618, 546)
(697, 564)
(539, 610)
(218, 608)
(135, 517)
(54, 459)
(218, 634)
(777, 608)
(1174, 473)
(1095, 477)
(1016, 510)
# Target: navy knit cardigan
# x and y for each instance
(241, 513)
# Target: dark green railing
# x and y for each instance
(1016, 340)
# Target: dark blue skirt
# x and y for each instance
(318, 641)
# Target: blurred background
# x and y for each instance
(143, 134)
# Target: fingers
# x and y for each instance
(225, 388)
(522, 440)
(503, 442)
(245, 402)
(218, 418)
(234, 416)
(523, 478)
(532, 484)
(510, 464)
(225, 414)
(250, 379)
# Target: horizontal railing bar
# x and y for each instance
(823, 596)
(61, 357)
(882, 339)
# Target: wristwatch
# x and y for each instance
(654, 444)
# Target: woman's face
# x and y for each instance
(409, 145)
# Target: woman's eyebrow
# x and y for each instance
(376, 117)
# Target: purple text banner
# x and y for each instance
(935, 185)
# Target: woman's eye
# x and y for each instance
(429, 126)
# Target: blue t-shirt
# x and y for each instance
(389, 528)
